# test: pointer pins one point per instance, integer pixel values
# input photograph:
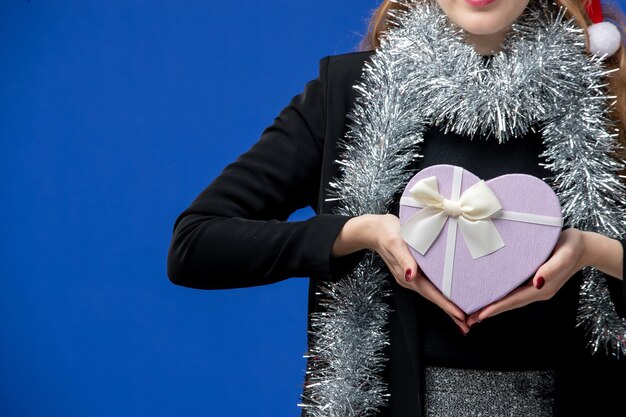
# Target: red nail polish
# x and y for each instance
(540, 282)
(408, 275)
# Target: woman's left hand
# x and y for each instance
(567, 258)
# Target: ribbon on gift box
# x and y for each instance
(471, 212)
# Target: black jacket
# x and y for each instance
(242, 215)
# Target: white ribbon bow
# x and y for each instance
(473, 211)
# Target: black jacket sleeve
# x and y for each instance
(617, 288)
(623, 306)
(235, 233)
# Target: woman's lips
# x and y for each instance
(479, 3)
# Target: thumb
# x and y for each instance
(405, 259)
(407, 263)
(544, 272)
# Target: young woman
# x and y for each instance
(347, 152)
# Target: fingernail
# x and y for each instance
(540, 282)
(462, 331)
(408, 275)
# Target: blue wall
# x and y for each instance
(114, 115)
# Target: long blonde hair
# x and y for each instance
(379, 24)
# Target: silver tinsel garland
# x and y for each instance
(424, 73)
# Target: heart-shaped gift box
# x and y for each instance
(478, 240)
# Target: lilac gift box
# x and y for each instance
(478, 240)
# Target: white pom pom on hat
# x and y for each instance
(604, 37)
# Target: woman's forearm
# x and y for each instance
(356, 234)
(604, 253)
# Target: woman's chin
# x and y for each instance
(482, 25)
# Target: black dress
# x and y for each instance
(242, 213)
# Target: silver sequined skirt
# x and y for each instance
(451, 392)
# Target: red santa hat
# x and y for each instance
(604, 37)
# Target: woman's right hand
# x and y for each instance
(381, 233)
